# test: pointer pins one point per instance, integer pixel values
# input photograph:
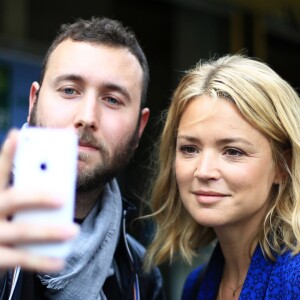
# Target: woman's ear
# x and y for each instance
(282, 171)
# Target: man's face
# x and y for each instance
(96, 90)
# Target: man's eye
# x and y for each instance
(112, 100)
(69, 91)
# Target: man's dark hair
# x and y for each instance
(103, 31)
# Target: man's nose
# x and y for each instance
(87, 114)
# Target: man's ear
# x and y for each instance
(143, 121)
(33, 97)
(281, 172)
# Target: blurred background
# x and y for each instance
(174, 34)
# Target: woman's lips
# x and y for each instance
(207, 197)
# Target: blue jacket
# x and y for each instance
(265, 279)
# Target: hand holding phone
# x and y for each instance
(46, 162)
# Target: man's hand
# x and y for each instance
(13, 234)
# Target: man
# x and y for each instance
(94, 79)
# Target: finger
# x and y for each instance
(10, 257)
(6, 158)
(15, 233)
(13, 200)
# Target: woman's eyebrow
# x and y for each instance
(219, 141)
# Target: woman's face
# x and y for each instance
(224, 166)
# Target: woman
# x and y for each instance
(229, 171)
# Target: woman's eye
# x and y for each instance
(234, 152)
(188, 149)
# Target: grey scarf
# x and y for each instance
(90, 261)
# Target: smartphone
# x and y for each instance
(46, 161)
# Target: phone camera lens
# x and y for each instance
(43, 166)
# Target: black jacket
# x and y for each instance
(128, 283)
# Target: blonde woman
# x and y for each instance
(229, 171)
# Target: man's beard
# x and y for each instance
(105, 170)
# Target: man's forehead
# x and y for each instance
(70, 46)
(79, 52)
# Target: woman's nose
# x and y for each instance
(207, 167)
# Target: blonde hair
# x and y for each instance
(272, 106)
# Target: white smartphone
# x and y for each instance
(46, 160)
